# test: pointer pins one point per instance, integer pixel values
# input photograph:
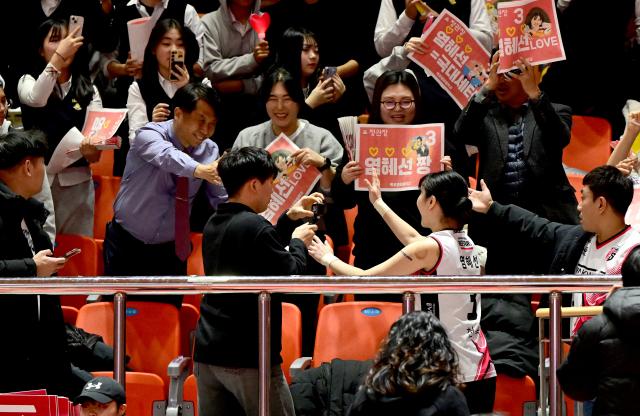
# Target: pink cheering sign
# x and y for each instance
(528, 29)
(401, 155)
(456, 60)
(260, 23)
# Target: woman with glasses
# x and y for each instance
(55, 97)
(395, 100)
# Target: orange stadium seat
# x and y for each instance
(515, 396)
(152, 337)
(70, 314)
(589, 146)
(100, 243)
(193, 300)
(344, 252)
(143, 389)
(346, 331)
(105, 166)
(189, 316)
(195, 267)
(106, 188)
(576, 182)
(83, 264)
(190, 393)
(291, 336)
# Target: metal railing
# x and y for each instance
(264, 285)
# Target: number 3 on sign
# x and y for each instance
(519, 15)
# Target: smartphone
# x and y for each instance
(318, 212)
(177, 59)
(516, 71)
(74, 22)
(328, 73)
(72, 253)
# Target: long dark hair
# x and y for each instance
(81, 86)
(391, 78)
(192, 50)
(290, 50)
(416, 356)
(451, 192)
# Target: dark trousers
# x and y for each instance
(125, 255)
(480, 395)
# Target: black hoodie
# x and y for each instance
(604, 360)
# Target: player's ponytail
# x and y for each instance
(451, 192)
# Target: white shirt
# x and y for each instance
(191, 20)
(391, 31)
(49, 6)
(138, 107)
(35, 93)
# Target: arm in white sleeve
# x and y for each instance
(390, 31)
(45, 197)
(35, 93)
(397, 61)
(480, 24)
(192, 21)
(96, 101)
(137, 110)
(106, 58)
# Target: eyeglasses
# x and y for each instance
(8, 103)
(390, 104)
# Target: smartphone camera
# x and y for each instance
(318, 210)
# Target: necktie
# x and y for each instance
(183, 243)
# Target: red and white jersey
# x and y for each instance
(460, 314)
(604, 258)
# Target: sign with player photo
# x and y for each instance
(401, 155)
(103, 122)
(293, 181)
(528, 29)
(457, 61)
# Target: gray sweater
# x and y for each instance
(315, 138)
(227, 53)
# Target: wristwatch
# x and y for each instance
(327, 164)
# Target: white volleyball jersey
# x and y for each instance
(601, 259)
(460, 314)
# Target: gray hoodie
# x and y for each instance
(227, 53)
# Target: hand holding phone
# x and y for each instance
(329, 72)
(318, 210)
(74, 22)
(177, 59)
(71, 253)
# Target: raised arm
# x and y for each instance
(621, 152)
(420, 255)
(403, 231)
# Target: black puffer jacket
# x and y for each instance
(328, 390)
(604, 360)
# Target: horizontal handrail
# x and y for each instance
(309, 284)
(572, 312)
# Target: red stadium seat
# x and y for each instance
(70, 314)
(589, 146)
(346, 331)
(83, 264)
(291, 336)
(189, 316)
(195, 267)
(190, 393)
(193, 300)
(152, 337)
(106, 188)
(100, 243)
(143, 389)
(515, 396)
(105, 166)
(576, 182)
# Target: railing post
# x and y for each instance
(543, 369)
(119, 331)
(555, 352)
(408, 303)
(264, 341)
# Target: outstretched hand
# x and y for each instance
(374, 187)
(481, 199)
(318, 249)
(302, 208)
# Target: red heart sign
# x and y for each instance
(260, 23)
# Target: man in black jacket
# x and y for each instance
(31, 321)
(597, 246)
(238, 242)
(613, 376)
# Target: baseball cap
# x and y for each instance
(102, 390)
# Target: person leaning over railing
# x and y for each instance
(598, 246)
(611, 336)
(29, 320)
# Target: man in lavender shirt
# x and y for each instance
(140, 241)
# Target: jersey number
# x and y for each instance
(474, 314)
